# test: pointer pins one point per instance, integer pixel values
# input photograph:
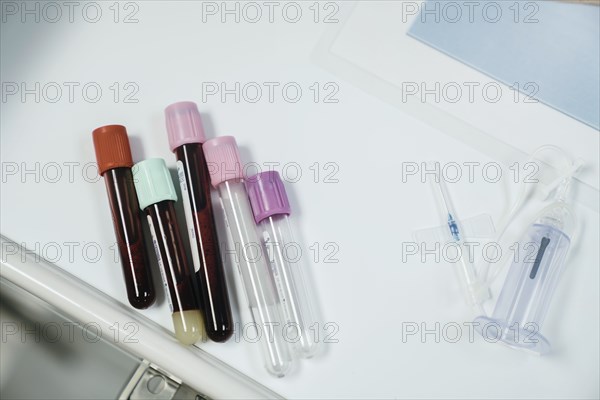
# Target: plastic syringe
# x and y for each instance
(473, 288)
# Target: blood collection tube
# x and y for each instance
(272, 214)
(223, 161)
(157, 198)
(113, 156)
(186, 135)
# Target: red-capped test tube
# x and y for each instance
(114, 159)
(157, 197)
(186, 135)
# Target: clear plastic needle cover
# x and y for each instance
(475, 291)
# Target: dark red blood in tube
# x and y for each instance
(114, 164)
(157, 196)
(186, 135)
(213, 289)
(172, 254)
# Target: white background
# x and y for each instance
(370, 293)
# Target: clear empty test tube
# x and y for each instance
(223, 162)
(272, 214)
(157, 198)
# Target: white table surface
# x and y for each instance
(370, 294)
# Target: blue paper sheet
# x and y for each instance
(555, 45)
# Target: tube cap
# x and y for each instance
(184, 124)
(153, 182)
(267, 195)
(112, 148)
(223, 159)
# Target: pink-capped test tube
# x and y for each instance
(223, 160)
(272, 215)
(186, 135)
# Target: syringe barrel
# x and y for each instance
(528, 289)
(533, 277)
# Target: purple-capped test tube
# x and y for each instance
(271, 210)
